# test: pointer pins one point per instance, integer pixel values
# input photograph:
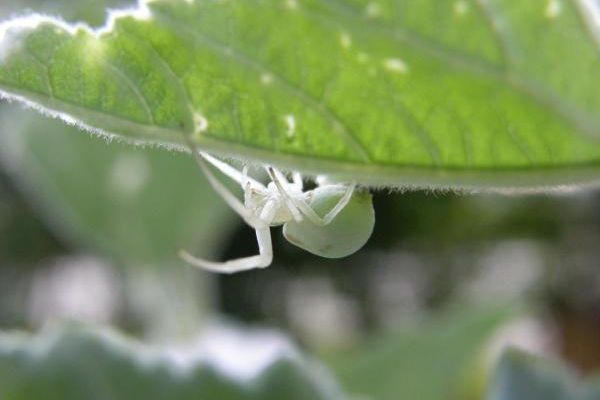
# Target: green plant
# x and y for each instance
(493, 95)
(466, 94)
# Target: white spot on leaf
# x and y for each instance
(291, 4)
(266, 79)
(553, 9)
(201, 123)
(373, 10)
(461, 7)
(290, 122)
(395, 65)
(345, 40)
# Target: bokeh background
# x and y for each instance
(89, 232)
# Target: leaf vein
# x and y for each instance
(44, 66)
(573, 115)
(133, 87)
(339, 127)
(174, 79)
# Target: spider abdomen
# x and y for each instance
(347, 232)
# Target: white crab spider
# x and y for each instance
(346, 225)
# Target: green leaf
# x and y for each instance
(139, 207)
(523, 376)
(464, 93)
(79, 364)
(425, 363)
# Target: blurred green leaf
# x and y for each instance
(25, 237)
(521, 376)
(79, 364)
(427, 363)
(459, 93)
(140, 206)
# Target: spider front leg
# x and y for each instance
(263, 232)
(297, 179)
(277, 177)
(241, 178)
(262, 260)
(221, 189)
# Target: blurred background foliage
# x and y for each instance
(89, 232)
(523, 376)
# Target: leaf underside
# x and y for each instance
(426, 93)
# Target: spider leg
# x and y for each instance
(276, 177)
(308, 211)
(222, 190)
(280, 175)
(343, 202)
(297, 179)
(240, 177)
(262, 260)
(245, 181)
